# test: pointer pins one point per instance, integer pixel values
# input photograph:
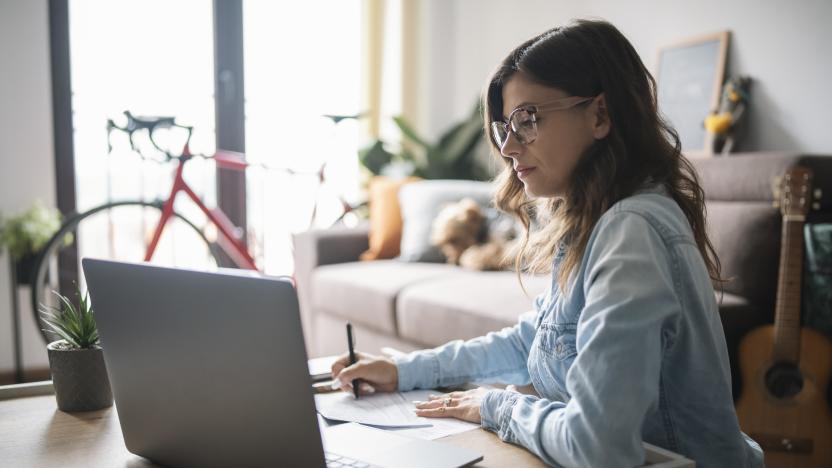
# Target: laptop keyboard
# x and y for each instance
(337, 461)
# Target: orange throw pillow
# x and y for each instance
(385, 217)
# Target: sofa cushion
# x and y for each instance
(365, 292)
(746, 237)
(385, 218)
(465, 305)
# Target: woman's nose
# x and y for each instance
(511, 147)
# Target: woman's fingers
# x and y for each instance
(457, 394)
(461, 405)
(364, 388)
(379, 373)
(432, 404)
(344, 361)
(352, 372)
(340, 363)
(360, 370)
(441, 412)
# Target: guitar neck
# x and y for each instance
(787, 312)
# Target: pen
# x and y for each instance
(351, 345)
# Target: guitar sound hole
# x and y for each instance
(784, 380)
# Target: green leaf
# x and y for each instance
(405, 155)
(408, 131)
(28, 232)
(374, 157)
(459, 142)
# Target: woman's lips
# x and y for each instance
(523, 171)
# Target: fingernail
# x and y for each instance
(336, 384)
(417, 402)
(368, 388)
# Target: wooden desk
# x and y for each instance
(34, 433)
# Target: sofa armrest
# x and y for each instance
(319, 247)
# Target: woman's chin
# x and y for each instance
(533, 191)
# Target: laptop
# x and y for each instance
(209, 369)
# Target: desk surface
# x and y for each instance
(34, 433)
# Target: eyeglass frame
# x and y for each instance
(532, 109)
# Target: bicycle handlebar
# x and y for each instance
(150, 124)
(223, 158)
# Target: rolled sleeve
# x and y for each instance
(495, 411)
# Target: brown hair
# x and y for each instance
(586, 58)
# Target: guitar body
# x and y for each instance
(795, 428)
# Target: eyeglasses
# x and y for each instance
(523, 120)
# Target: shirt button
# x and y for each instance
(559, 348)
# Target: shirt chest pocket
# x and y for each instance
(557, 340)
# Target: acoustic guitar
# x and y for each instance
(786, 368)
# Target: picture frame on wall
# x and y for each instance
(689, 76)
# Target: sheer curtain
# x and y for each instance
(317, 58)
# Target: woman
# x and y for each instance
(627, 345)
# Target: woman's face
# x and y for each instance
(545, 165)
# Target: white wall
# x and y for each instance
(26, 153)
(782, 45)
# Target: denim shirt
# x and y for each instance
(634, 352)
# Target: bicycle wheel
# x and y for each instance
(116, 231)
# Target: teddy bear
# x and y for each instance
(472, 238)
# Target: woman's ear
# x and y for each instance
(601, 118)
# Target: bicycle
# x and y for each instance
(228, 237)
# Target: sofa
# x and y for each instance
(414, 305)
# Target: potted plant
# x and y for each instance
(458, 154)
(25, 234)
(76, 360)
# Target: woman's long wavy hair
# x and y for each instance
(585, 58)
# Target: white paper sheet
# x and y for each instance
(441, 426)
(393, 411)
(380, 410)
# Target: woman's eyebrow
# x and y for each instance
(522, 104)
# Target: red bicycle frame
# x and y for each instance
(229, 240)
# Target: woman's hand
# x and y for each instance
(377, 373)
(464, 405)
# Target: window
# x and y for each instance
(299, 66)
(157, 58)
(153, 57)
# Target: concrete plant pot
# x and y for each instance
(79, 377)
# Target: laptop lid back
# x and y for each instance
(207, 369)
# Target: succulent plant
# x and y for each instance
(75, 325)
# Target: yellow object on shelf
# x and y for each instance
(718, 123)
